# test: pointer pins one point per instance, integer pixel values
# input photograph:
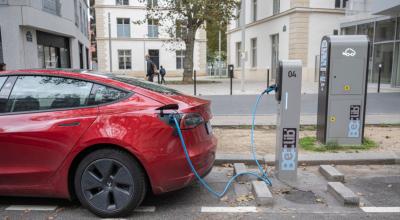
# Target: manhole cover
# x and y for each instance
(302, 197)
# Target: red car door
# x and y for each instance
(40, 122)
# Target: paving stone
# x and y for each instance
(240, 189)
(241, 168)
(331, 173)
(343, 194)
(262, 193)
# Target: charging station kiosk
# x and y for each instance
(342, 89)
(288, 95)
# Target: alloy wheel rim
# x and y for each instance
(107, 185)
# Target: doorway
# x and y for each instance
(155, 57)
(274, 54)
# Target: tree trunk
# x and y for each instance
(188, 62)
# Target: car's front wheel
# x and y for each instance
(110, 183)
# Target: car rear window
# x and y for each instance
(146, 85)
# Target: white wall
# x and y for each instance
(317, 30)
(263, 34)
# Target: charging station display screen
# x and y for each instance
(324, 54)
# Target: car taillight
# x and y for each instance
(191, 120)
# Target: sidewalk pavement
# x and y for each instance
(222, 86)
(313, 159)
(268, 120)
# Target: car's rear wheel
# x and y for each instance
(110, 183)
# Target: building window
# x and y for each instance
(152, 3)
(124, 59)
(366, 29)
(153, 28)
(81, 56)
(341, 3)
(180, 59)
(335, 32)
(52, 6)
(254, 10)
(349, 30)
(276, 7)
(238, 20)
(385, 30)
(82, 18)
(254, 52)
(123, 27)
(76, 13)
(122, 2)
(238, 54)
(53, 51)
(1, 50)
(181, 29)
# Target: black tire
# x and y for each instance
(110, 183)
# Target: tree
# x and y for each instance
(213, 28)
(188, 16)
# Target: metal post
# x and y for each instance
(194, 83)
(243, 17)
(230, 75)
(109, 40)
(144, 54)
(219, 52)
(268, 77)
(379, 77)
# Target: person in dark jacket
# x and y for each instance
(163, 72)
(150, 69)
(2, 67)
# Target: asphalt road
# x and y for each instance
(384, 103)
(194, 202)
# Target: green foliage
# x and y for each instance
(311, 144)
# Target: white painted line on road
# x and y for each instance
(145, 209)
(31, 208)
(380, 209)
(240, 209)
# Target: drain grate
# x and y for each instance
(301, 197)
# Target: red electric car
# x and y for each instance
(103, 139)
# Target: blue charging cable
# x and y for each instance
(264, 176)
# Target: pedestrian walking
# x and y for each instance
(150, 69)
(2, 67)
(163, 72)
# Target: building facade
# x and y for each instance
(132, 36)
(44, 34)
(380, 20)
(282, 29)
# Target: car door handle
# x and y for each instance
(72, 124)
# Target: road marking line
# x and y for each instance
(380, 209)
(31, 208)
(230, 209)
(145, 209)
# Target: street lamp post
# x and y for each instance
(109, 40)
(243, 49)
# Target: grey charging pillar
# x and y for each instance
(288, 80)
(342, 89)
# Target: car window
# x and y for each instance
(104, 94)
(36, 93)
(3, 97)
(2, 80)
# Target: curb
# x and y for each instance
(317, 159)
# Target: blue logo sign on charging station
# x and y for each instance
(289, 149)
